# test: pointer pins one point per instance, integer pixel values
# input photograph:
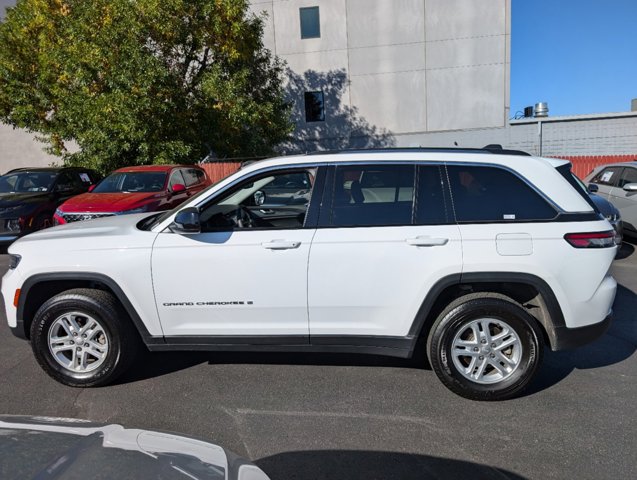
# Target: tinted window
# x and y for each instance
(176, 178)
(432, 205)
(607, 176)
(191, 177)
(27, 182)
(492, 194)
(68, 181)
(629, 175)
(310, 22)
(373, 195)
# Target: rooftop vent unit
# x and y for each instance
(541, 110)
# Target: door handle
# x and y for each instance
(427, 241)
(280, 245)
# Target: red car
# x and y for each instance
(135, 190)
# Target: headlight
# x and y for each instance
(13, 224)
(14, 260)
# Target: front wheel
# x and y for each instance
(82, 338)
(485, 347)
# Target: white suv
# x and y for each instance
(485, 256)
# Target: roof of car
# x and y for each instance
(46, 169)
(153, 168)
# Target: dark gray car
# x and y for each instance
(60, 448)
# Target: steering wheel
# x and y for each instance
(244, 218)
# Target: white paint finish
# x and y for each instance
(288, 26)
(466, 97)
(447, 19)
(395, 100)
(465, 52)
(513, 244)
(386, 59)
(578, 277)
(385, 22)
(232, 267)
(370, 281)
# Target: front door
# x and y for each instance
(245, 274)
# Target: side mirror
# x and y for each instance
(259, 198)
(178, 187)
(92, 187)
(630, 187)
(592, 188)
(186, 222)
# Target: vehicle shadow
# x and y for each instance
(369, 465)
(626, 250)
(618, 344)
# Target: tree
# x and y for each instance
(141, 82)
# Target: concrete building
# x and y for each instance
(388, 72)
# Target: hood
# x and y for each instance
(108, 202)
(9, 200)
(43, 447)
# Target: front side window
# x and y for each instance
(176, 178)
(608, 176)
(490, 194)
(277, 200)
(629, 175)
(132, 182)
(373, 195)
(314, 107)
(310, 22)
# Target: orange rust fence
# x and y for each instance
(218, 170)
(582, 165)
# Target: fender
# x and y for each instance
(83, 277)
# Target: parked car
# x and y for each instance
(134, 190)
(488, 257)
(44, 447)
(617, 183)
(611, 214)
(29, 197)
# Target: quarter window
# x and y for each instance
(372, 195)
(488, 194)
(310, 22)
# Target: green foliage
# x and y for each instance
(143, 81)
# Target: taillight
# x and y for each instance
(591, 239)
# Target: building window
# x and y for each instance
(310, 22)
(314, 107)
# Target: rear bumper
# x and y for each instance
(567, 338)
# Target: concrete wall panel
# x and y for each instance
(396, 58)
(448, 19)
(465, 52)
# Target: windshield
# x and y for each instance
(132, 182)
(23, 182)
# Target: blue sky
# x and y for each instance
(580, 56)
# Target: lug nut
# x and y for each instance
(483, 341)
(492, 355)
(481, 357)
(84, 336)
(75, 334)
(493, 345)
(79, 349)
(86, 345)
(475, 349)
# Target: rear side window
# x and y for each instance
(608, 176)
(373, 195)
(433, 206)
(489, 194)
(192, 177)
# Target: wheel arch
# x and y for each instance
(527, 289)
(40, 287)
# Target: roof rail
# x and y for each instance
(493, 149)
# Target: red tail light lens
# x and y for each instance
(591, 239)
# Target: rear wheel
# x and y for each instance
(485, 347)
(83, 338)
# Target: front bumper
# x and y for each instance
(567, 338)
(6, 239)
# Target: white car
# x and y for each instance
(486, 256)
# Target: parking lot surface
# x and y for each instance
(302, 416)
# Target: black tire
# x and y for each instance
(123, 340)
(456, 318)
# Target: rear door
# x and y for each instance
(386, 237)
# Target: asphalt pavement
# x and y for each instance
(302, 416)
